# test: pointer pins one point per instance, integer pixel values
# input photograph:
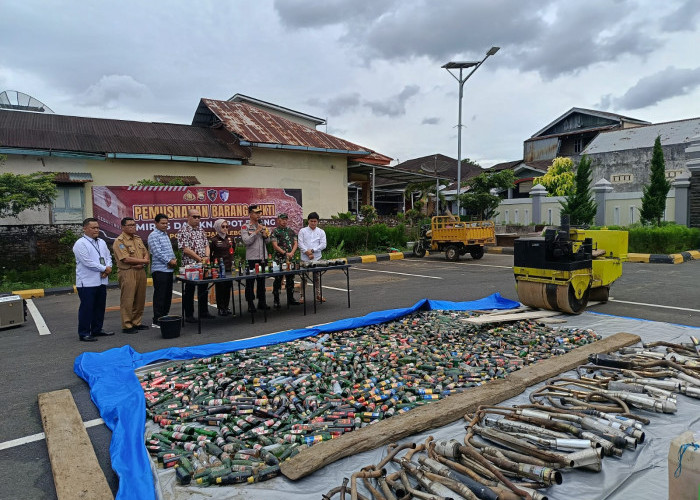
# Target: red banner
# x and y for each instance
(112, 203)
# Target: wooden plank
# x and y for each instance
(76, 472)
(502, 318)
(445, 411)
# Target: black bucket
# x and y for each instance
(170, 326)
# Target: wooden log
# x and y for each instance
(505, 317)
(445, 411)
(76, 472)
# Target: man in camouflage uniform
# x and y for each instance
(132, 258)
(284, 244)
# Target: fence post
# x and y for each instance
(537, 193)
(682, 185)
(601, 190)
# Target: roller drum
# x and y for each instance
(551, 296)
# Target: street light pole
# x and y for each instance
(462, 66)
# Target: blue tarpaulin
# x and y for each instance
(118, 395)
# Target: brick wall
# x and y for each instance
(25, 246)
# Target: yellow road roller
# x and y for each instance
(567, 267)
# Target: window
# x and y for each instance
(621, 178)
(517, 217)
(68, 205)
(578, 145)
(527, 216)
(631, 215)
(549, 216)
(507, 216)
(616, 216)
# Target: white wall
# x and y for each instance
(620, 209)
(321, 177)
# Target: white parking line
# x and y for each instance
(394, 272)
(38, 437)
(653, 305)
(177, 293)
(38, 318)
(331, 288)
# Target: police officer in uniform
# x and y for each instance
(254, 236)
(132, 258)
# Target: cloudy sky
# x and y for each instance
(371, 67)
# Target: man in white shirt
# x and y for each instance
(312, 241)
(93, 265)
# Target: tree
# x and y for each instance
(559, 179)
(580, 205)
(478, 201)
(425, 189)
(654, 197)
(19, 192)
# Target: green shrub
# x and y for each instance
(664, 239)
(42, 276)
(357, 239)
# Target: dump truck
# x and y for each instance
(455, 237)
(568, 266)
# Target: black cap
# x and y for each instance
(283, 216)
(254, 208)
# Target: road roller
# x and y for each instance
(568, 266)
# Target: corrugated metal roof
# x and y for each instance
(72, 177)
(593, 112)
(446, 167)
(260, 128)
(375, 159)
(260, 102)
(98, 135)
(677, 132)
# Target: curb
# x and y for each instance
(37, 293)
(656, 258)
(505, 250)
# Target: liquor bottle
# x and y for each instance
(222, 268)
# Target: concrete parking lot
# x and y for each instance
(37, 359)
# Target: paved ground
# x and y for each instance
(34, 363)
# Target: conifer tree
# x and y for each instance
(580, 204)
(654, 197)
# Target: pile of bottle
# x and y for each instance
(232, 418)
(240, 266)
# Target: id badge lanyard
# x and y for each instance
(96, 246)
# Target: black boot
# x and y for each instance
(292, 301)
(251, 307)
(276, 302)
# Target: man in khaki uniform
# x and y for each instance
(132, 258)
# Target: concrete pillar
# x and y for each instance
(537, 193)
(682, 186)
(601, 190)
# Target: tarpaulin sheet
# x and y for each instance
(640, 475)
(117, 393)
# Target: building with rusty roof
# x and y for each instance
(242, 142)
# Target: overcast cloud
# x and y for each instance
(650, 90)
(371, 67)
